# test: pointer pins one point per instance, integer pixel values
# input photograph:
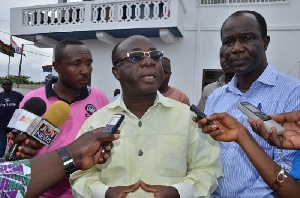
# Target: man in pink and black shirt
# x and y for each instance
(73, 63)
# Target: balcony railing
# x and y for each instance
(101, 13)
(108, 15)
(216, 2)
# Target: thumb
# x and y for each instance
(133, 187)
(106, 137)
(147, 187)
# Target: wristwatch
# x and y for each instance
(68, 162)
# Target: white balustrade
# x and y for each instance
(100, 13)
(216, 2)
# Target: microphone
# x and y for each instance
(36, 106)
(43, 129)
(46, 130)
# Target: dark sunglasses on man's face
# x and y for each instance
(6, 84)
(136, 56)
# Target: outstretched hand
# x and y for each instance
(290, 139)
(226, 128)
(86, 150)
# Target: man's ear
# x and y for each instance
(266, 42)
(56, 66)
(115, 72)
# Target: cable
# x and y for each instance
(3, 20)
(4, 32)
(27, 48)
(37, 54)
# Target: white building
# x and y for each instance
(188, 31)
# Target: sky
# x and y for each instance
(35, 57)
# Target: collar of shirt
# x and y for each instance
(159, 99)
(268, 77)
(51, 93)
(221, 80)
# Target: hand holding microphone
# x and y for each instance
(42, 130)
(34, 105)
(27, 147)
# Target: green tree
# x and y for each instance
(15, 79)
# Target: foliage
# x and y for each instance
(23, 79)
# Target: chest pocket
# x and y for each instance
(171, 152)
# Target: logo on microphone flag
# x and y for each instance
(45, 133)
(21, 120)
(35, 126)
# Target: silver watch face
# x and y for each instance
(70, 161)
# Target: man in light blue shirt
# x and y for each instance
(245, 40)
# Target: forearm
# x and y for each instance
(46, 171)
(87, 183)
(267, 168)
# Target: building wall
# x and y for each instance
(283, 27)
(182, 62)
(198, 49)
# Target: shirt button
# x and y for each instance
(140, 123)
(140, 153)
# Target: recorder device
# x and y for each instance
(252, 112)
(114, 123)
(200, 114)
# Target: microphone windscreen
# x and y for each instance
(35, 105)
(58, 113)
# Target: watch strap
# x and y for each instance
(68, 162)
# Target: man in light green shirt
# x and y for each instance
(160, 151)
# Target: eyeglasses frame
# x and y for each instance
(128, 54)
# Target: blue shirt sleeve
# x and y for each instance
(295, 172)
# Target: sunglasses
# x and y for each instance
(136, 56)
(5, 84)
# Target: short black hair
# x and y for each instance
(114, 57)
(166, 61)
(59, 49)
(116, 92)
(6, 79)
(260, 19)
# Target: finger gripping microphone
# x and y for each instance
(34, 106)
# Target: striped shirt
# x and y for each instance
(274, 93)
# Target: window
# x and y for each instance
(210, 76)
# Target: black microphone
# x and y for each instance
(34, 105)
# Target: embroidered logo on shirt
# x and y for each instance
(90, 109)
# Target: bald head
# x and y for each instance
(128, 44)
